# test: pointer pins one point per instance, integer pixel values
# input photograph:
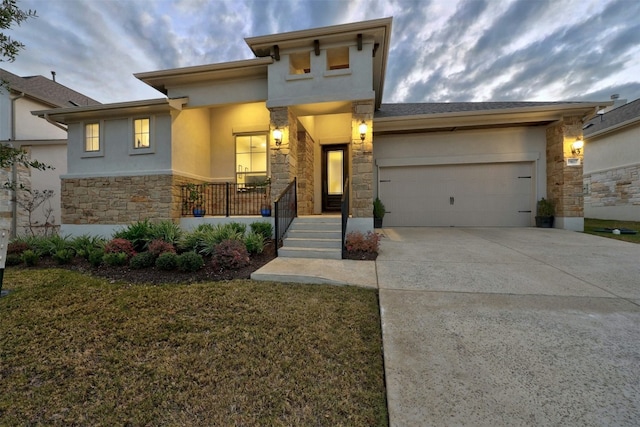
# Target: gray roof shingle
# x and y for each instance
(614, 117)
(46, 90)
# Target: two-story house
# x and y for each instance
(309, 106)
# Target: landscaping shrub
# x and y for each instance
(49, 245)
(254, 242)
(63, 256)
(138, 233)
(120, 245)
(262, 227)
(167, 231)
(13, 259)
(158, 247)
(83, 245)
(230, 254)
(358, 242)
(190, 262)
(115, 259)
(167, 261)
(30, 257)
(238, 227)
(194, 240)
(95, 257)
(219, 233)
(142, 260)
(17, 247)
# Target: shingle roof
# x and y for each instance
(46, 90)
(414, 109)
(614, 117)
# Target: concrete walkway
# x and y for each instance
(488, 326)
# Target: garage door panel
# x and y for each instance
(458, 195)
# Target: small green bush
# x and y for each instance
(115, 259)
(167, 231)
(220, 233)
(254, 242)
(167, 261)
(158, 247)
(13, 259)
(138, 233)
(190, 261)
(237, 227)
(230, 255)
(95, 257)
(83, 245)
(142, 260)
(63, 256)
(30, 257)
(119, 245)
(262, 227)
(192, 241)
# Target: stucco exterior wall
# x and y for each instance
(612, 175)
(221, 93)
(117, 141)
(226, 122)
(29, 126)
(191, 148)
(320, 84)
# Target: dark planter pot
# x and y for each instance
(199, 212)
(377, 222)
(265, 212)
(544, 221)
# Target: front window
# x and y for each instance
(92, 137)
(300, 63)
(141, 133)
(338, 58)
(251, 159)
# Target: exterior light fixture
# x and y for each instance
(576, 147)
(277, 136)
(363, 130)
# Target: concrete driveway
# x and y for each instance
(488, 326)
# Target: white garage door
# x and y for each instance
(497, 194)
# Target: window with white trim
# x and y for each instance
(92, 137)
(141, 133)
(251, 159)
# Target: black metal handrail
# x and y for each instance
(344, 208)
(286, 209)
(224, 198)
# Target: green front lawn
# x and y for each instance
(590, 225)
(77, 350)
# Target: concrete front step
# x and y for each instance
(304, 242)
(319, 219)
(329, 226)
(314, 234)
(319, 253)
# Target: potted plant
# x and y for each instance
(378, 213)
(196, 198)
(544, 213)
(265, 208)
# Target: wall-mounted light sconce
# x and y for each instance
(277, 136)
(363, 130)
(576, 147)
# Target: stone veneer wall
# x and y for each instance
(615, 187)
(362, 161)
(564, 183)
(284, 160)
(305, 173)
(120, 199)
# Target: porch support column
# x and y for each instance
(283, 158)
(362, 160)
(564, 183)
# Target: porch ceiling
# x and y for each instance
(322, 108)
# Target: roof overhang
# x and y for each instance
(378, 30)
(634, 122)
(101, 111)
(163, 79)
(520, 116)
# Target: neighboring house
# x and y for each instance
(44, 141)
(612, 164)
(309, 107)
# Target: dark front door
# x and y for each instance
(334, 172)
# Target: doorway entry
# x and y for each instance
(334, 172)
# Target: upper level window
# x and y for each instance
(338, 58)
(300, 63)
(141, 133)
(251, 159)
(92, 137)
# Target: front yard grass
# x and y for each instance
(591, 224)
(78, 350)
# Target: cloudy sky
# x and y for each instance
(441, 50)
